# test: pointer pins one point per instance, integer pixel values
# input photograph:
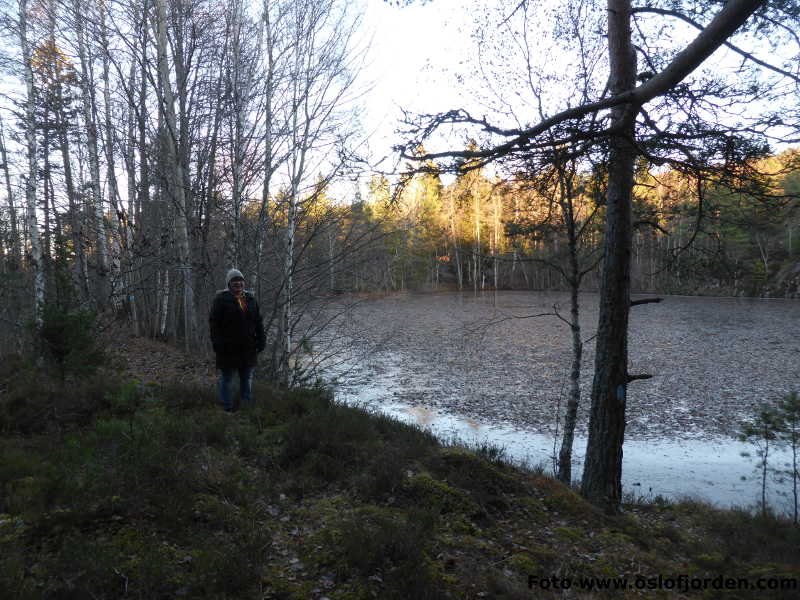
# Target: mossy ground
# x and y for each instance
(113, 489)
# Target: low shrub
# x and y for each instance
(38, 404)
(336, 431)
(389, 545)
(384, 475)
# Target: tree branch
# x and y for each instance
(732, 16)
(739, 51)
(639, 376)
(646, 301)
(652, 224)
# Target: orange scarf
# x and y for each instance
(242, 302)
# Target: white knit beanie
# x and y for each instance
(231, 275)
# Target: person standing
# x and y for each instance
(237, 336)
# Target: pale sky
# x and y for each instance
(414, 56)
(419, 50)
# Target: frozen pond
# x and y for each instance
(484, 368)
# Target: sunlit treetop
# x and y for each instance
(50, 62)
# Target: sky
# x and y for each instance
(424, 58)
(419, 50)
(415, 54)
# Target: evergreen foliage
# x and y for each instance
(68, 338)
(714, 236)
(67, 333)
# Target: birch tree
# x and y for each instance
(88, 102)
(276, 47)
(243, 41)
(109, 143)
(173, 172)
(14, 251)
(322, 74)
(563, 207)
(35, 259)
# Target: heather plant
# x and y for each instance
(157, 493)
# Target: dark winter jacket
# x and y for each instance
(237, 336)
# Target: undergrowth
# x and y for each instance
(113, 489)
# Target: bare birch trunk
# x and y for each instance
(331, 260)
(239, 104)
(142, 197)
(477, 247)
(567, 202)
(16, 254)
(288, 287)
(164, 290)
(269, 159)
(496, 244)
(117, 283)
(132, 216)
(35, 258)
(456, 253)
(76, 223)
(47, 197)
(174, 176)
(87, 104)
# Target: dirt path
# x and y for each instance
(152, 361)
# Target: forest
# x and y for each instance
(155, 144)
(482, 232)
(148, 146)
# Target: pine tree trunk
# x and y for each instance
(601, 483)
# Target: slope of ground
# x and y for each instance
(133, 484)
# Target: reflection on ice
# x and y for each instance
(711, 470)
(435, 359)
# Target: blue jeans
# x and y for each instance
(226, 376)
